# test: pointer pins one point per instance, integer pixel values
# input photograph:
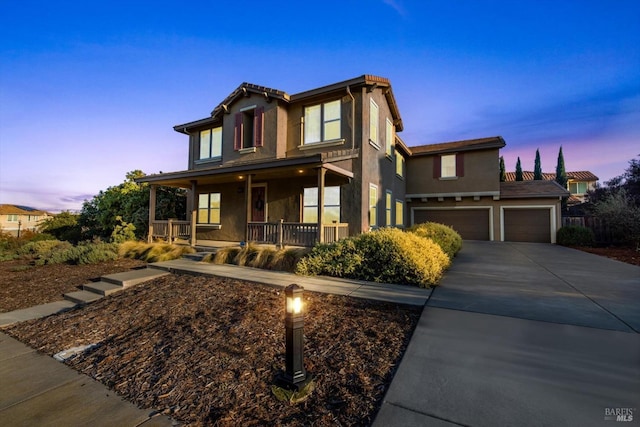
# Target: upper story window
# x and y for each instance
(578, 187)
(211, 143)
(388, 140)
(331, 205)
(373, 123)
(448, 166)
(248, 129)
(322, 122)
(399, 164)
(448, 163)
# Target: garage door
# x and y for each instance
(472, 224)
(527, 225)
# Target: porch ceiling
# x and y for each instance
(282, 169)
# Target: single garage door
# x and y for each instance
(527, 225)
(472, 224)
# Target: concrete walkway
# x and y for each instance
(523, 334)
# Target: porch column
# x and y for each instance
(152, 211)
(248, 199)
(321, 175)
(192, 212)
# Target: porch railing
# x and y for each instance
(277, 233)
(171, 230)
(294, 233)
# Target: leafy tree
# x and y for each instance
(125, 209)
(519, 176)
(63, 226)
(537, 169)
(503, 172)
(561, 173)
(629, 181)
(622, 214)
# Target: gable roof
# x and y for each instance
(20, 210)
(531, 189)
(457, 146)
(246, 89)
(576, 176)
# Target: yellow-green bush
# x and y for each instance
(446, 237)
(388, 255)
(153, 252)
(57, 252)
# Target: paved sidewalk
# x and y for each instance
(522, 334)
(39, 391)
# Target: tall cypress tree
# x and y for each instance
(561, 173)
(503, 172)
(537, 171)
(519, 176)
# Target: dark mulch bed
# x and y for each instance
(619, 253)
(205, 350)
(24, 285)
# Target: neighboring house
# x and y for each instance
(319, 165)
(15, 218)
(578, 183)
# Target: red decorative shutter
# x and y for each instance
(437, 166)
(237, 134)
(460, 164)
(258, 120)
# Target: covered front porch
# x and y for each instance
(263, 204)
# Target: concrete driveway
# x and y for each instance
(523, 334)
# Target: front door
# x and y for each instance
(259, 203)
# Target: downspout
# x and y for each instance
(353, 118)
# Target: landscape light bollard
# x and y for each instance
(295, 377)
(19, 225)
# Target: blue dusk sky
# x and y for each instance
(91, 90)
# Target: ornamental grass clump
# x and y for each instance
(387, 255)
(443, 235)
(153, 252)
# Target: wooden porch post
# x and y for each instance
(248, 199)
(152, 211)
(321, 175)
(192, 212)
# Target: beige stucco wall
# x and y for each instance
(481, 174)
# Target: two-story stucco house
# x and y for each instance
(315, 166)
(578, 183)
(14, 219)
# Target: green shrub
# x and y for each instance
(57, 252)
(153, 252)
(446, 237)
(573, 235)
(388, 255)
(43, 252)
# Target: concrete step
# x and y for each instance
(102, 288)
(133, 277)
(198, 256)
(82, 297)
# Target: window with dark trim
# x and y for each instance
(248, 130)
(447, 166)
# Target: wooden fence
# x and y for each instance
(600, 228)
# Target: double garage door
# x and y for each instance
(520, 225)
